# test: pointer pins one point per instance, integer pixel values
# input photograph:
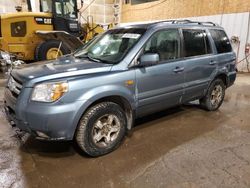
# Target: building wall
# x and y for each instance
(9, 5)
(102, 11)
(168, 9)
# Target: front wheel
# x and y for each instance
(49, 50)
(215, 95)
(101, 129)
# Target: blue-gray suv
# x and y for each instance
(95, 94)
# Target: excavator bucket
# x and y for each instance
(70, 41)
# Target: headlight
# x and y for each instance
(49, 92)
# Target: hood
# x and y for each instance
(63, 67)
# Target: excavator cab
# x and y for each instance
(64, 15)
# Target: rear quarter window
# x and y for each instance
(221, 41)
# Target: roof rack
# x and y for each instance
(188, 22)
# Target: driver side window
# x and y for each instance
(165, 43)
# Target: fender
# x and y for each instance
(222, 71)
(219, 74)
(109, 90)
(98, 93)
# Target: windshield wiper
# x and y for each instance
(93, 59)
(89, 57)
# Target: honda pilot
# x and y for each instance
(94, 94)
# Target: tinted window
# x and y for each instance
(221, 41)
(195, 42)
(165, 43)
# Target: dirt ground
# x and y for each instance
(181, 147)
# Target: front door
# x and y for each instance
(161, 86)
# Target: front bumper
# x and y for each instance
(54, 121)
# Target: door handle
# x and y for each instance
(178, 69)
(212, 62)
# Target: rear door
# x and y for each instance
(199, 62)
(161, 85)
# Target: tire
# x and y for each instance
(91, 131)
(43, 48)
(215, 96)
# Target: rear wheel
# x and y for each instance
(215, 96)
(49, 49)
(101, 129)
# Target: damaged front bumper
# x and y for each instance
(23, 127)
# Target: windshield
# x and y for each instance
(112, 46)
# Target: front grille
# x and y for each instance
(14, 86)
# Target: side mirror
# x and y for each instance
(149, 59)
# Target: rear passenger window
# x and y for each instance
(195, 43)
(221, 41)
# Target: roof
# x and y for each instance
(174, 22)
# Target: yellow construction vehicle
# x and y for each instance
(52, 32)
